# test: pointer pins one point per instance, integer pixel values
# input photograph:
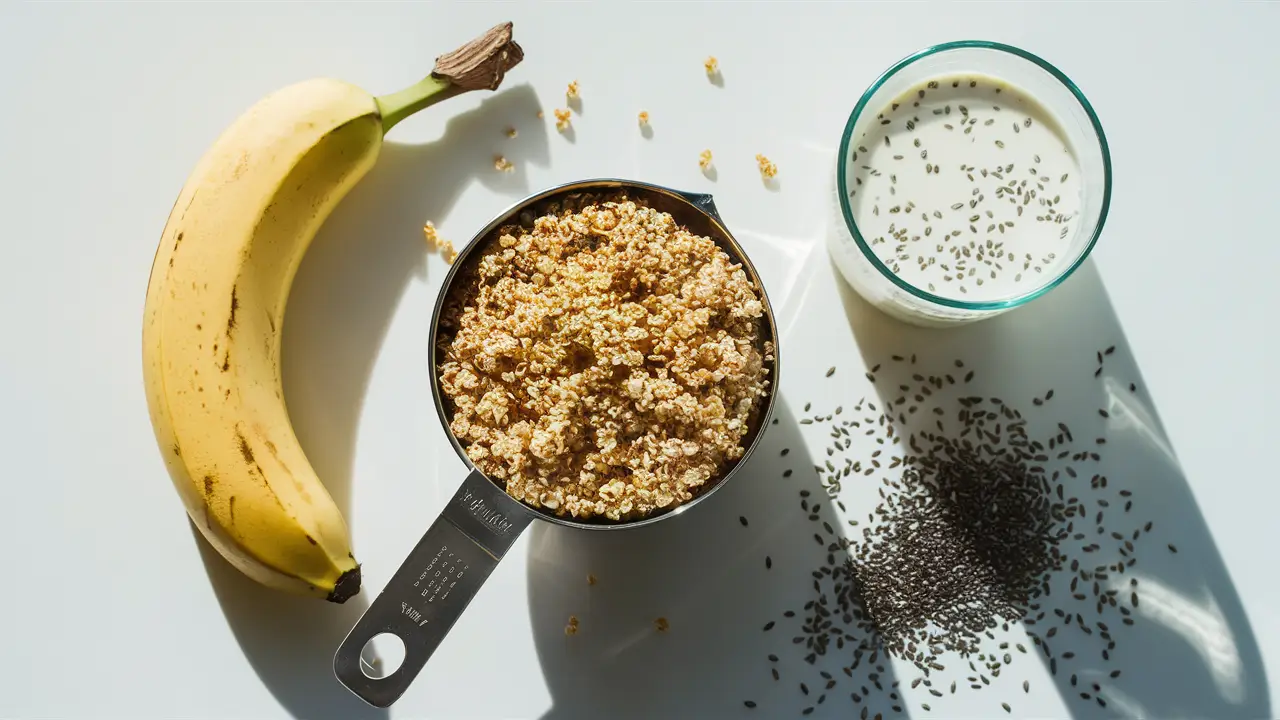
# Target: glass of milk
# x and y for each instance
(972, 178)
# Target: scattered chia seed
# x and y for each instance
(974, 530)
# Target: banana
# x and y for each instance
(215, 310)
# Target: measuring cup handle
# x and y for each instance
(435, 584)
(703, 202)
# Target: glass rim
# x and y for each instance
(842, 185)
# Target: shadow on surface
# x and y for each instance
(1190, 651)
(706, 574)
(289, 640)
(344, 296)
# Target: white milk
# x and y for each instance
(966, 187)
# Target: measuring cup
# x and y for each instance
(441, 575)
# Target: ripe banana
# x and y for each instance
(215, 309)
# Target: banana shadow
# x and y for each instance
(343, 298)
(723, 587)
(1185, 648)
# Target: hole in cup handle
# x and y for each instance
(433, 586)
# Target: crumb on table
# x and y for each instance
(767, 168)
(431, 235)
(712, 65)
(562, 119)
(540, 116)
(512, 132)
(572, 91)
(591, 579)
(661, 625)
(501, 164)
(572, 627)
(704, 159)
(437, 243)
(644, 117)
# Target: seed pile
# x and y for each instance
(965, 186)
(972, 523)
(983, 522)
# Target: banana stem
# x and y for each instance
(425, 93)
(478, 65)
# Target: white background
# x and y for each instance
(113, 607)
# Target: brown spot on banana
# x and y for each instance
(245, 450)
(176, 242)
(271, 448)
(311, 540)
(231, 318)
(271, 322)
(177, 451)
(209, 482)
(254, 467)
(226, 362)
(231, 504)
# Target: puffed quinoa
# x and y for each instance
(562, 119)
(704, 159)
(431, 235)
(661, 624)
(644, 117)
(606, 362)
(572, 91)
(512, 132)
(767, 168)
(447, 252)
(712, 65)
(501, 164)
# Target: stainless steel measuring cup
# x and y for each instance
(480, 523)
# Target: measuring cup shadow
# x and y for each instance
(705, 573)
(1190, 650)
(341, 304)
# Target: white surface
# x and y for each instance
(114, 608)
